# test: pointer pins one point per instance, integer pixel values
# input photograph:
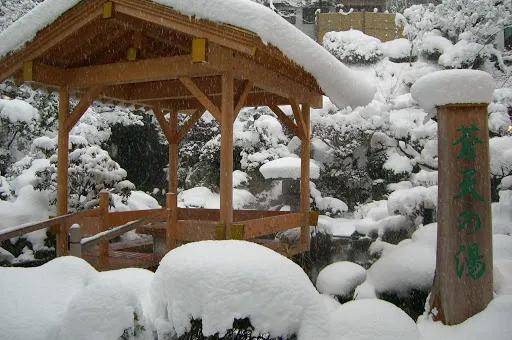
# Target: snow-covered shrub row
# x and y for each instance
(353, 47)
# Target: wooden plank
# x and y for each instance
(270, 225)
(214, 214)
(284, 249)
(192, 231)
(124, 259)
(85, 102)
(201, 97)
(122, 217)
(283, 118)
(226, 152)
(16, 231)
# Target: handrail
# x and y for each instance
(110, 234)
(8, 233)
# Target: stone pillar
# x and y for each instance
(463, 283)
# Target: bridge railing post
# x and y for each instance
(103, 226)
(75, 238)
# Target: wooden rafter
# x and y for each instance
(283, 118)
(201, 97)
(86, 101)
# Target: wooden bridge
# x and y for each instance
(94, 234)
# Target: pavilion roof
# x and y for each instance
(73, 43)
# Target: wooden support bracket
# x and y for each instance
(189, 124)
(201, 97)
(287, 121)
(242, 97)
(85, 102)
(164, 125)
(298, 116)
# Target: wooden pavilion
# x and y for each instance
(145, 54)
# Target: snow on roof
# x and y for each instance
(453, 87)
(344, 86)
(287, 167)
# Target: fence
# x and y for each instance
(379, 25)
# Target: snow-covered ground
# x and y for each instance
(217, 282)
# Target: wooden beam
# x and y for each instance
(201, 97)
(283, 118)
(136, 72)
(253, 99)
(242, 97)
(85, 102)
(189, 124)
(269, 80)
(226, 153)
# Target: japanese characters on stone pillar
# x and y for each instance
(463, 283)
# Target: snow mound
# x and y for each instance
(287, 167)
(219, 281)
(262, 21)
(17, 111)
(333, 205)
(398, 49)
(453, 87)
(491, 323)
(370, 319)
(336, 226)
(340, 278)
(34, 300)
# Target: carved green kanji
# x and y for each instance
(467, 186)
(469, 259)
(469, 221)
(468, 142)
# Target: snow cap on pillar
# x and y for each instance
(453, 87)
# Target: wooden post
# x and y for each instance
(172, 221)
(75, 238)
(103, 226)
(463, 284)
(62, 170)
(226, 153)
(173, 154)
(305, 156)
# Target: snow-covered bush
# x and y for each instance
(399, 50)
(433, 45)
(218, 282)
(353, 46)
(340, 279)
